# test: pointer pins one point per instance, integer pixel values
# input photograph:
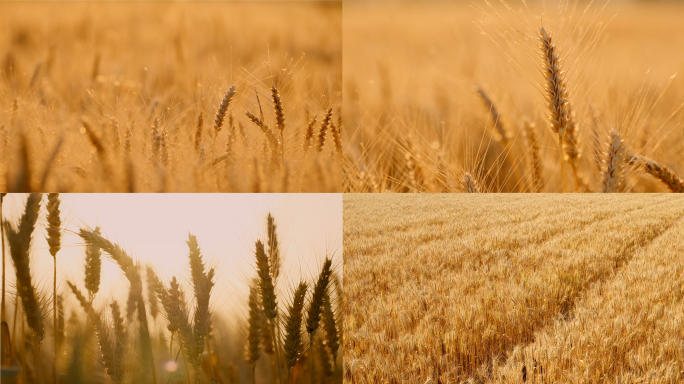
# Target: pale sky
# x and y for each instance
(153, 229)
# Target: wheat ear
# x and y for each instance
(19, 240)
(293, 345)
(268, 298)
(556, 94)
(198, 132)
(324, 127)
(330, 326)
(659, 171)
(531, 139)
(504, 135)
(614, 164)
(273, 250)
(223, 107)
(54, 241)
(470, 184)
(313, 318)
(309, 133)
(254, 332)
(202, 283)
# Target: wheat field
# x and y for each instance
(512, 289)
(81, 305)
(462, 96)
(138, 97)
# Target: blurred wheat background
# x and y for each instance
(445, 96)
(134, 96)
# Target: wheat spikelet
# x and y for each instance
(613, 165)
(309, 133)
(223, 107)
(556, 94)
(324, 127)
(504, 135)
(19, 240)
(659, 171)
(293, 345)
(470, 184)
(531, 139)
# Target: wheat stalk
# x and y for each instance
(54, 236)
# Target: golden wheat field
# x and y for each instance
(479, 96)
(93, 293)
(508, 289)
(139, 97)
